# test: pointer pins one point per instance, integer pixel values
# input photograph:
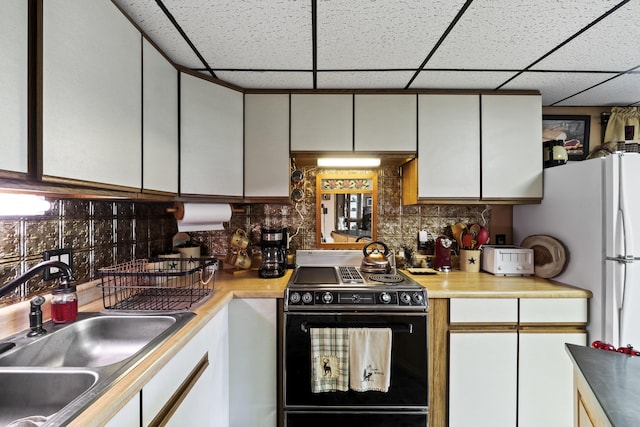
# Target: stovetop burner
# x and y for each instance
(386, 278)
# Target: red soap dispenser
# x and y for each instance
(64, 304)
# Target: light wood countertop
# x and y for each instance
(247, 284)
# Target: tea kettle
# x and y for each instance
(375, 258)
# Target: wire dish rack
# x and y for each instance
(157, 285)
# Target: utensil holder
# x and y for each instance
(470, 260)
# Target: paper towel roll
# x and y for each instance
(204, 216)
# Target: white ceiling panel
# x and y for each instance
(380, 34)
(556, 86)
(267, 79)
(428, 79)
(364, 79)
(621, 91)
(159, 28)
(610, 45)
(254, 34)
(512, 34)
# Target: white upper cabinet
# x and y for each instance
(321, 122)
(511, 146)
(13, 85)
(266, 141)
(211, 138)
(385, 123)
(449, 146)
(92, 120)
(159, 121)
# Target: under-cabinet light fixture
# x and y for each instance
(349, 162)
(22, 204)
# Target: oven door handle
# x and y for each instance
(395, 327)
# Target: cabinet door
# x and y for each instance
(128, 416)
(545, 383)
(511, 146)
(385, 123)
(483, 379)
(211, 386)
(253, 362)
(449, 146)
(159, 121)
(13, 85)
(266, 140)
(321, 122)
(91, 94)
(211, 133)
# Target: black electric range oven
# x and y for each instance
(345, 297)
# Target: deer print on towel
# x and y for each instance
(366, 376)
(327, 367)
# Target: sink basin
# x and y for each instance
(26, 393)
(91, 342)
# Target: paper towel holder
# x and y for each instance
(178, 210)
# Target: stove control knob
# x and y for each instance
(294, 298)
(307, 298)
(417, 298)
(327, 297)
(405, 298)
(385, 298)
(355, 298)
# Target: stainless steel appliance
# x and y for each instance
(274, 252)
(328, 290)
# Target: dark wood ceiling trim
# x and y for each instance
(440, 40)
(314, 41)
(185, 37)
(591, 24)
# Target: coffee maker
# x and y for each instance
(273, 241)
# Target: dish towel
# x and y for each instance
(370, 359)
(329, 359)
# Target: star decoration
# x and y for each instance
(471, 260)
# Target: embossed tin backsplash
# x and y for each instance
(104, 233)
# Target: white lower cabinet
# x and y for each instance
(128, 416)
(253, 362)
(507, 371)
(192, 388)
(483, 375)
(545, 392)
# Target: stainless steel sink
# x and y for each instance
(27, 393)
(91, 342)
(71, 366)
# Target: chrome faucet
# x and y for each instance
(35, 316)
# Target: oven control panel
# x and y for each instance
(356, 299)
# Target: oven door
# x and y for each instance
(409, 373)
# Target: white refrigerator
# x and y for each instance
(593, 208)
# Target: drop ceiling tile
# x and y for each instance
(155, 24)
(512, 34)
(555, 86)
(432, 79)
(380, 34)
(267, 79)
(250, 34)
(364, 79)
(621, 91)
(610, 45)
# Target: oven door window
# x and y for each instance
(409, 377)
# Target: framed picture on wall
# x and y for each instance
(572, 130)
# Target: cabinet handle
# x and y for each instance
(181, 393)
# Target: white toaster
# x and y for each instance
(505, 260)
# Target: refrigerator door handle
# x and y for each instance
(623, 211)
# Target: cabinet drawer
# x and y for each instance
(553, 310)
(483, 310)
